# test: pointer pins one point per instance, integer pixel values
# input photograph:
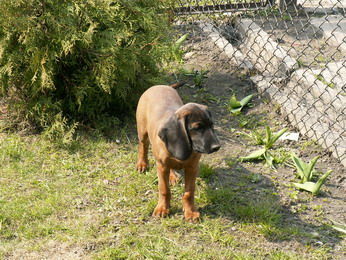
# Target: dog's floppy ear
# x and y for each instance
(206, 110)
(174, 134)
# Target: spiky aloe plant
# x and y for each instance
(312, 187)
(235, 106)
(305, 170)
(267, 141)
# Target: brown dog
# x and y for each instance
(178, 134)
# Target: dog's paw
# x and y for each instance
(192, 216)
(142, 166)
(160, 212)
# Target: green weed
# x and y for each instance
(206, 171)
(177, 52)
(324, 81)
(313, 187)
(250, 121)
(235, 106)
(306, 172)
(198, 77)
(267, 142)
(339, 227)
(287, 17)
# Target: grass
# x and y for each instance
(89, 196)
(86, 197)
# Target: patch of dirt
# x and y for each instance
(53, 251)
(310, 214)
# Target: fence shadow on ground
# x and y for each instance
(245, 197)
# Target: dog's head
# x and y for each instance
(189, 129)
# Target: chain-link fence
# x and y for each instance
(295, 50)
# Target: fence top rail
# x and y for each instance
(202, 9)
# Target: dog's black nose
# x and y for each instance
(215, 147)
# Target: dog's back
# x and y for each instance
(160, 96)
(155, 104)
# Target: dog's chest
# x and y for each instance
(176, 164)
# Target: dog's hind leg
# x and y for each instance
(143, 145)
(173, 177)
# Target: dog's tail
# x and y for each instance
(177, 85)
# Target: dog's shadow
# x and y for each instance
(245, 197)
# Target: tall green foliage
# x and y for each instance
(72, 61)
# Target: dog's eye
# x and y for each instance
(198, 127)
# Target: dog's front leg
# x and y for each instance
(190, 212)
(162, 208)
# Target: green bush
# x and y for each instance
(68, 62)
